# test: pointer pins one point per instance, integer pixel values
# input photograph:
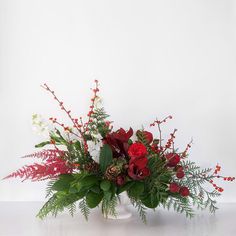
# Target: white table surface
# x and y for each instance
(18, 219)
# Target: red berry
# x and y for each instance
(180, 174)
(184, 192)
(174, 188)
(173, 159)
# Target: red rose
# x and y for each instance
(148, 135)
(120, 180)
(137, 150)
(138, 168)
(174, 188)
(184, 192)
(180, 174)
(173, 159)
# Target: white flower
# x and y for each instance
(94, 149)
(40, 126)
(97, 102)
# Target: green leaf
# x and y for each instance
(63, 184)
(150, 201)
(105, 185)
(77, 145)
(108, 196)
(42, 144)
(105, 158)
(89, 181)
(95, 189)
(125, 187)
(93, 199)
(136, 189)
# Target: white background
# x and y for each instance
(152, 58)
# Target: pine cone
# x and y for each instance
(91, 167)
(112, 172)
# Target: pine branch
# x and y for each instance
(109, 206)
(84, 208)
(180, 205)
(140, 208)
(72, 208)
(57, 203)
(49, 190)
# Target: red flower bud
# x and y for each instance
(120, 180)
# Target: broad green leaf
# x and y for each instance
(150, 201)
(93, 199)
(89, 181)
(105, 185)
(108, 196)
(95, 189)
(136, 189)
(105, 158)
(125, 187)
(63, 184)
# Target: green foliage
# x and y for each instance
(136, 189)
(105, 185)
(42, 144)
(180, 205)
(194, 179)
(142, 138)
(72, 208)
(98, 125)
(49, 190)
(93, 199)
(156, 185)
(57, 203)
(84, 209)
(125, 187)
(105, 157)
(140, 208)
(63, 183)
(109, 205)
(150, 201)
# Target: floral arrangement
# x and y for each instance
(91, 163)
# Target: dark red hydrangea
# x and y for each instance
(174, 188)
(184, 192)
(137, 150)
(172, 159)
